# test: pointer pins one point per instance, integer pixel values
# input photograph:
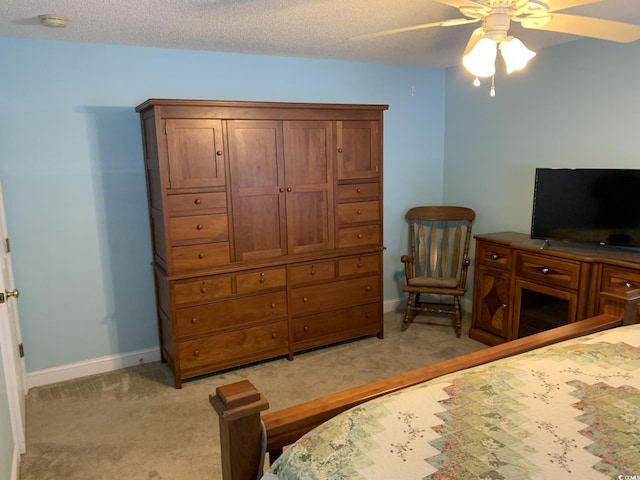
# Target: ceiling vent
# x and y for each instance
(53, 20)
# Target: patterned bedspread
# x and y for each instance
(570, 410)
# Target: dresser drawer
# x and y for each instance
(195, 227)
(359, 212)
(548, 271)
(359, 236)
(201, 291)
(358, 265)
(261, 280)
(620, 277)
(235, 348)
(332, 295)
(311, 272)
(199, 257)
(358, 191)
(197, 202)
(493, 255)
(314, 330)
(229, 314)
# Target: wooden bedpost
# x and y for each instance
(622, 302)
(239, 406)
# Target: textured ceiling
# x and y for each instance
(297, 28)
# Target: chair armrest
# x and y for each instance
(408, 266)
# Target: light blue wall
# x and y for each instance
(576, 105)
(72, 171)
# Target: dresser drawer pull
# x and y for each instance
(273, 305)
(544, 270)
(203, 290)
(306, 329)
(199, 226)
(495, 256)
(313, 272)
(367, 315)
(359, 235)
(194, 320)
(359, 265)
(305, 299)
(358, 190)
(196, 353)
(201, 255)
(367, 288)
(504, 305)
(261, 280)
(628, 284)
(359, 212)
(274, 335)
(219, 153)
(197, 201)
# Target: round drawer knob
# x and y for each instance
(313, 272)
(288, 189)
(367, 315)
(544, 270)
(368, 288)
(261, 280)
(359, 212)
(201, 255)
(274, 335)
(203, 290)
(358, 190)
(196, 353)
(199, 226)
(197, 201)
(273, 305)
(281, 189)
(359, 265)
(306, 329)
(628, 284)
(194, 320)
(219, 153)
(305, 299)
(340, 150)
(359, 235)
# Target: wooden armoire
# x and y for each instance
(266, 224)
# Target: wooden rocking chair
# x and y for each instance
(436, 269)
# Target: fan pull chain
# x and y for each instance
(492, 91)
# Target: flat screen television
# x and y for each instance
(587, 205)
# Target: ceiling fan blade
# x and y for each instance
(586, 27)
(555, 5)
(444, 23)
(457, 3)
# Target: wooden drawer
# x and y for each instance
(358, 265)
(359, 236)
(229, 314)
(195, 227)
(359, 212)
(358, 191)
(332, 295)
(619, 277)
(320, 329)
(197, 202)
(201, 291)
(261, 280)
(312, 272)
(235, 348)
(199, 257)
(548, 271)
(493, 255)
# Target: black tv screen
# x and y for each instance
(585, 205)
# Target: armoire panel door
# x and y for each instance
(196, 155)
(358, 149)
(308, 154)
(257, 188)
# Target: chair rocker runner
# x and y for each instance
(436, 269)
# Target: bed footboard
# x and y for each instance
(239, 405)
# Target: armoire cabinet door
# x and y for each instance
(358, 149)
(257, 188)
(196, 156)
(309, 185)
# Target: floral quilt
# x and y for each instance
(569, 410)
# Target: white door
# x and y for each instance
(10, 338)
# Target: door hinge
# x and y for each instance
(7, 245)
(21, 350)
(1, 297)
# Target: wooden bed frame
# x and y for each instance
(239, 404)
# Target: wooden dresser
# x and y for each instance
(266, 222)
(522, 286)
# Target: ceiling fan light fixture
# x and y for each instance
(515, 54)
(480, 59)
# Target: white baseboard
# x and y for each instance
(90, 367)
(15, 464)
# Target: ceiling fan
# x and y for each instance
(496, 17)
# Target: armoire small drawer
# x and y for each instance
(359, 236)
(332, 295)
(194, 258)
(309, 329)
(261, 280)
(358, 265)
(225, 315)
(195, 227)
(493, 255)
(358, 191)
(552, 272)
(311, 272)
(197, 202)
(236, 347)
(201, 291)
(359, 212)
